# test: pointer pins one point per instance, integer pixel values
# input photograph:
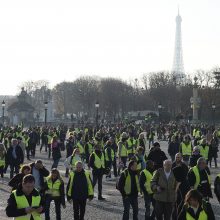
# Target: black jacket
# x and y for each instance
(19, 153)
(79, 187)
(12, 210)
(157, 156)
(16, 181)
(193, 160)
(173, 148)
(207, 208)
(43, 173)
(217, 188)
(121, 183)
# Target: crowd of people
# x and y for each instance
(175, 187)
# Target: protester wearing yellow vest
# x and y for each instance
(122, 152)
(195, 208)
(186, 149)
(2, 159)
(79, 189)
(129, 187)
(131, 146)
(54, 191)
(199, 178)
(109, 158)
(204, 149)
(145, 179)
(49, 143)
(25, 203)
(26, 139)
(97, 163)
(139, 157)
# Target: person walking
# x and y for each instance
(164, 186)
(54, 191)
(79, 189)
(2, 159)
(129, 187)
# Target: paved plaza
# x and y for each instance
(112, 208)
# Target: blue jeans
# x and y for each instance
(55, 163)
(57, 202)
(133, 202)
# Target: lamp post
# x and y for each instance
(3, 112)
(97, 112)
(159, 109)
(213, 113)
(45, 108)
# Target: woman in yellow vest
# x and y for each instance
(195, 208)
(2, 159)
(25, 203)
(54, 191)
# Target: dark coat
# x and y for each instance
(173, 148)
(79, 187)
(157, 156)
(16, 181)
(193, 160)
(43, 173)
(20, 156)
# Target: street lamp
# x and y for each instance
(45, 108)
(3, 112)
(97, 112)
(213, 113)
(159, 108)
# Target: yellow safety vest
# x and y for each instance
(26, 140)
(131, 145)
(204, 151)
(149, 177)
(90, 148)
(53, 188)
(202, 216)
(138, 163)
(127, 187)
(197, 134)
(99, 162)
(90, 187)
(81, 148)
(196, 172)
(22, 203)
(2, 162)
(123, 152)
(112, 155)
(49, 139)
(186, 149)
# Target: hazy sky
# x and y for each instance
(61, 40)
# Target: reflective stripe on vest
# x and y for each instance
(49, 139)
(112, 155)
(89, 183)
(22, 203)
(127, 187)
(99, 162)
(81, 148)
(53, 188)
(186, 149)
(149, 177)
(202, 216)
(196, 172)
(204, 152)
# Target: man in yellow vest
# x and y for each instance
(97, 163)
(186, 149)
(109, 158)
(79, 189)
(204, 149)
(199, 178)
(129, 187)
(145, 178)
(131, 146)
(25, 203)
(122, 151)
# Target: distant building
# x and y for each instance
(21, 111)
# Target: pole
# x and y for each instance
(97, 115)
(45, 116)
(213, 117)
(3, 115)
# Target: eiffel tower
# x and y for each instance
(178, 67)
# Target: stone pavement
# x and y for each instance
(111, 209)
